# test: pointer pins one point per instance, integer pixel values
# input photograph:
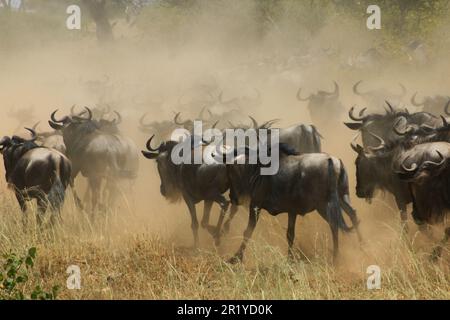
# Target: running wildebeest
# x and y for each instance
(375, 99)
(35, 172)
(324, 107)
(432, 104)
(303, 183)
(194, 183)
(426, 169)
(51, 139)
(98, 155)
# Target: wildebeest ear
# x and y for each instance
(55, 125)
(353, 125)
(150, 155)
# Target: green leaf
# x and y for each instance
(32, 252)
(29, 262)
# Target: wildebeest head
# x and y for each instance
(376, 98)
(379, 124)
(166, 168)
(368, 167)
(432, 104)
(74, 128)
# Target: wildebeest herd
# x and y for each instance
(402, 152)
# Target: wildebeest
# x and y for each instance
(375, 99)
(100, 155)
(194, 183)
(324, 107)
(426, 169)
(304, 183)
(301, 137)
(35, 172)
(432, 104)
(50, 139)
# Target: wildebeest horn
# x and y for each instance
(299, 97)
(63, 120)
(35, 125)
(447, 106)
(175, 119)
(413, 167)
(336, 90)
(118, 120)
(353, 117)
(255, 123)
(202, 113)
(403, 90)
(149, 145)
(89, 115)
(142, 123)
(355, 88)
(382, 144)
(390, 109)
(215, 124)
(3, 141)
(33, 135)
(398, 131)
(445, 125)
(434, 164)
(268, 124)
(356, 147)
(414, 101)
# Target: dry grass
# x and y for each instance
(121, 257)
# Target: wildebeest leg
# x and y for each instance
(74, 192)
(95, 184)
(403, 215)
(348, 209)
(334, 233)
(207, 205)
(437, 251)
(233, 211)
(291, 233)
(42, 206)
(224, 204)
(253, 217)
(194, 221)
(23, 207)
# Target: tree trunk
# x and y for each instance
(97, 11)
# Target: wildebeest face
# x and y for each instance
(366, 180)
(167, 170)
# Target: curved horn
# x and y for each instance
(142, 123)
(53, 117)
(118, 120)
(403, 90)
(255, 123)
(299, 98)
(175, 119)
(33, 135)
(336, 90)
(35, 125)
(89, 115)
(398, 131)
(215, 124)
(356, 147)
(382, 144)
(414, 101)
(447, 106)
(413, 167)
(390, 109)
(149, 145)
(434, 164)
(268, 124)
(355, 89)
(354, 118)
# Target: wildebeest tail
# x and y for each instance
(334, 211)
(57, 192)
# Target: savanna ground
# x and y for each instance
(141, 249)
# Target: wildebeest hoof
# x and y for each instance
(235, 259)
(436, 254)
